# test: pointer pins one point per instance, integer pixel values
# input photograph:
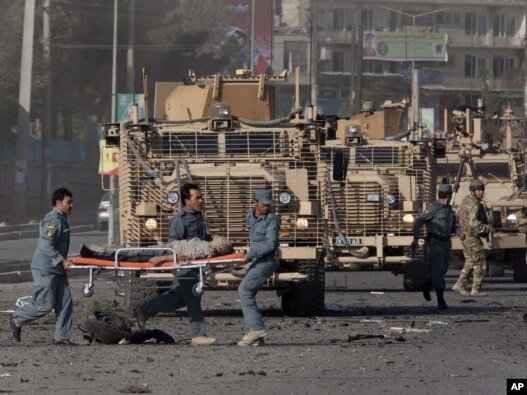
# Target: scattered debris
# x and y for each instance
(377, 293)
(430, 323)
(362, 336)
(136, 389)
(372, 321)
(401, 329)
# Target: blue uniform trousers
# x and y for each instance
(50, 291)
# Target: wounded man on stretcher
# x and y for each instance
(184, 249)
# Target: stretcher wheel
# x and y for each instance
(87, 290)
(198, 289)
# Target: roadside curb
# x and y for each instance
(33, 232)
(18, 276)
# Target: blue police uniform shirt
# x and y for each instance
(187, 224)
(263, 234)
(53, 243)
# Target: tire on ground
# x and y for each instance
(414, 272)
(306, 298)
(519, 265)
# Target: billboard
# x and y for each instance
(401, 46)
(238, 29)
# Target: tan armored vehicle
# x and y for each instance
(379, 177)
(221, 133)
(493, 150)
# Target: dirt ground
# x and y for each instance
(374, 338)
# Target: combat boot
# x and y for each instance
(477, 292)
(426, 291)
(460, 289)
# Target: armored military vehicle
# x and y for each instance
(379, 177)
(491, 149)
(221, 133)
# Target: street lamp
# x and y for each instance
(416, 116)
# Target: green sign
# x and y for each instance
(125, 102)
(401, 46)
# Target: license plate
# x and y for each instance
(352, 241)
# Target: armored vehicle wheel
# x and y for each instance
(519, 265)
(306, 298)
(137, 290)
(414, 273)
(495, 270)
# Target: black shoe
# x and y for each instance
(442, 306)
(15, 330)
(426, 294)
(60, 342)
(86, 252)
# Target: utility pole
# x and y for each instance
(416, 111)
(313, 53)
(130, 75)
(113, 237)
(24, 111)
(356, 69)
(45, 170)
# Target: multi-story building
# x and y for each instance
(482, 56)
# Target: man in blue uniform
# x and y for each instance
(264, 227)
(440, 222)
(187, 224)
(49, 265)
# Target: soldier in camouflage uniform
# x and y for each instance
(440, 223)
(473, 224)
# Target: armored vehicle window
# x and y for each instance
(370, 156)
(190, 144)
(252, 143)
(488, 170)
(493, 170)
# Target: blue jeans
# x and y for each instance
(50, 291)
(180, 295)
(253, 281)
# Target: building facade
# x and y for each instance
(478, 51)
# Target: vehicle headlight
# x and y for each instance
(390, 198)
(172, 197)
(284, 198)
(150, 224)
(408, 218)
(302, 223)
(373, 197)
(512, 218)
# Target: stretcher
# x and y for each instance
(96, 265)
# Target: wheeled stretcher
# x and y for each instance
(96, 265)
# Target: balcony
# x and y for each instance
(511, 80)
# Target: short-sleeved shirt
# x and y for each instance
(53, 243)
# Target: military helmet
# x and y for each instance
(476, 184)
(367, 106)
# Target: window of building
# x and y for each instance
(373, 20)
(336, 20)
(337, 59)
(474, 66)
(475, 24)
(500, 63)
(448, 18)
(296, 53)
(448, 63)
(504, 26)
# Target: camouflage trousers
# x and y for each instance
(475, 263)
